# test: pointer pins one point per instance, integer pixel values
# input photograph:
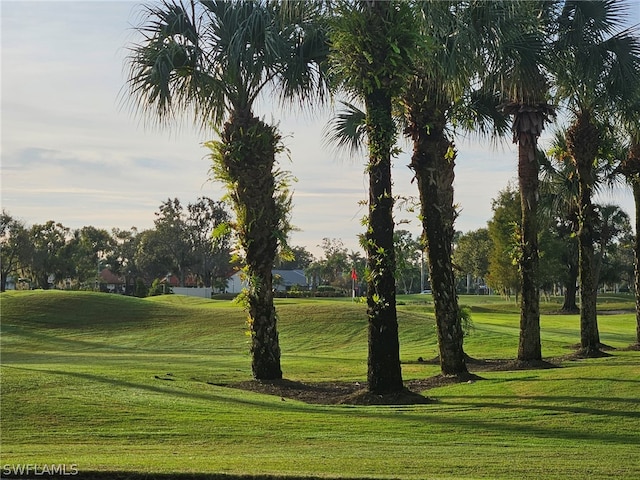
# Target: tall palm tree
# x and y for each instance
(372, 51)
(212, 60)
(630, 168)
(443, 93)
(597, 69)
(525, 89)
(429, 102)
(435, 97)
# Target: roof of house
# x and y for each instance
(107, 276)
(290, 277)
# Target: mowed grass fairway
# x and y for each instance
(116, 384)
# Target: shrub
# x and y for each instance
(141, 289)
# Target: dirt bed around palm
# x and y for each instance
(356, 393)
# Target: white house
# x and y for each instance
(283, 280)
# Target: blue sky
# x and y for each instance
(73, 153)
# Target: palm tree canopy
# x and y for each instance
(214, 57)
(452, 61)
(598, 63)
(373, 45)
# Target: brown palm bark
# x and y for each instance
(630, 168)
(384, 374)
(249, 160)
(433, 162)
(636, 249)
(570, 305)
(528, 122)
(582, 142)
(527, 126)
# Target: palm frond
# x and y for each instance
(598, 60)
(478, 111)
(214, 57)
(303, 79)
(347, 130)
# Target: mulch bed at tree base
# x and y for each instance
(497, 364)
(350, 393)
(356, 393)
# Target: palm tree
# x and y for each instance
(429, 102)
(596, 72)
(212, 60)
(443, 93)
(372, 46)
(630, 168)
(525, 89)
(613, 222)
(435, 96)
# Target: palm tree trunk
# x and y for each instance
(384, 371)
(582, 140)
(433, 162)
(529, 347)
(630, 168)
(249, 158)
(636, 249)
(570, 305)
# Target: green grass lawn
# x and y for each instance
(131, 387)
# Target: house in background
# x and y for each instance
(110, 282)
(283, 281)
(10, 283)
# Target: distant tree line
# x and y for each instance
(186, 242)
(488, 257)
(181, 243)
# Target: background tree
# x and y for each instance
(629, 167)
(90, 247)
(212, 252)
(14, 247)
(174, 238)
(372, 47)
(299, 258)
(553, 254)
(471, 257)
(617, 269)
(559, 202)
(613, 226)
(49, 253)
(504, 232)
(335, 262)
(408, 252)
(151, 258)
(597, 71)
(213, 59)
(122, 260)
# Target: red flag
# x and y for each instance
(354, 275)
